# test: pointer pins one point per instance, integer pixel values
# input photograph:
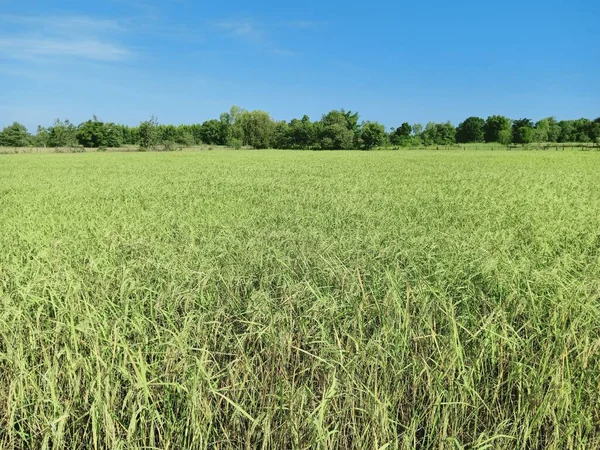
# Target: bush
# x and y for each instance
(149, 134)
(235, 143)
(168, 146)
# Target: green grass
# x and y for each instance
(280, 299)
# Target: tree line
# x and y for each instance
(336, 130)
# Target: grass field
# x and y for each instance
(280, 299)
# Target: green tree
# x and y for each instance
(15, 135)
(113, 135)
(446, 134)
(547, 130)
(185, 137)
(257, 129)
(525, 135)
(196, 132)
(91, 133)
(553, 129)
(41, 137)
(168, 133)
(401, 135)
(567, 131)
(149, 134)
(405, 129)
(302, 133)
(523, 132)
(281, 135)
(504, 136)
(439, 134)
(214, 132)
(429, 134)
(582, 130)
(417, 129)
(231, 123)
(372, 134)
(595, 131)
(338, 130)
(496, 127)
(128, 135)
(351, 121)
(62, 134)
(471, 130)
(541, 131)
(336, 137)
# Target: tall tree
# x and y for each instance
(567, 131)
(282, 136)
(91, 133)
(496, 129)
(523, 132)
(113, 135)
(439, 134)
(471, 130)
(582, 130)
(168, 133)
(541, 131)
(446, 134)
(185, 135)
(232, 126)
(401, 135)
(505, 136)
(524, 135)
(15, 135)
(352, 121)
(595, 131)
(62, 134)
(547, 130)
(338, 130)
(196, 132)
(149, 134)
(41, 137)
(302, 133)
(214, 132)
(372, 134)
(258, 129)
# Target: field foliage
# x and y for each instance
(281, 299)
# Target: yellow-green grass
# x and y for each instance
(280, 299)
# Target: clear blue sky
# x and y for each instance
(187, 61)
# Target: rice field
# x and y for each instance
(300, 300)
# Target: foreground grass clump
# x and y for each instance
(300, 300)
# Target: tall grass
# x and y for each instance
(387, 300)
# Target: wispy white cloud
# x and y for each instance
(261, 33)
(146, 8)
(66, 23)
(30, 48)
(303, 24)
(56, 37)
(242, 28)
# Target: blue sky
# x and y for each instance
(188, 61)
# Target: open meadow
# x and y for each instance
(289, 299)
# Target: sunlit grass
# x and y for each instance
(283, 299)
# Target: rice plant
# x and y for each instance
(281, 299)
